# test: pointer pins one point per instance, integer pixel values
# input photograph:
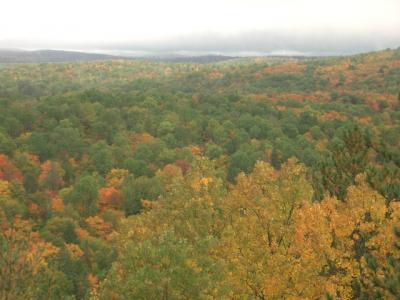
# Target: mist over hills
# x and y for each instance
(21, 56)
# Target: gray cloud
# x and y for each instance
(266, 42)
(256, 42)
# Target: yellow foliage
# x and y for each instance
(116, 177)
(75, 251)
(271, 239)
(5, 189)
(100, 227)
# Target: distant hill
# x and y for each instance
(50, 56)
(54, 56)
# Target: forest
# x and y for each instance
(251, 178)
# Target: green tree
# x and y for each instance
(7, 144)
(164, 267)
(347, 159)
(135, 190)
(83, 196)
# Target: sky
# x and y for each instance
(309, 27)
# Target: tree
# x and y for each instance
(51, 176)
(8, 171)
(213, 151)
(109, 198)
(169, 246)
(67, 140)
(334, 237)
(243, 160)
(256, 242)
(23, 261)
(101, 158)
(164, 267)
(60, 230)
(84, 195)
(382, 278)
(134, 190)
(7, 145)
(347, 159)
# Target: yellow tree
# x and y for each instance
(259, 214)
(263, 235)
(334, 237)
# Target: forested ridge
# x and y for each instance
(253, 178)
(49, 56)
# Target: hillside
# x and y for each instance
(250, 178)
(11, 56)
(50, 56)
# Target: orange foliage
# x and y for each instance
(57, 204)
(34, 209)
(330, 116)
(215, 75)
(93, 281)
(199, 183)
(196, 150)
(81, 233)
(94, 285)
(75, 251)
(364, 120)
(8, 171)
(110, 198)
(140, 138)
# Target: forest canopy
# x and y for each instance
(254, 178)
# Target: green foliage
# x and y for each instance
(60, 230)
(164, 267)
(7, 145)
(83, 196)
(135, 190)
(213, 151)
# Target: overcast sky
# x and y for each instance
(225, 26)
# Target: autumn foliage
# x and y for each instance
(253, 178)
(109, 198)
(267, 224)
